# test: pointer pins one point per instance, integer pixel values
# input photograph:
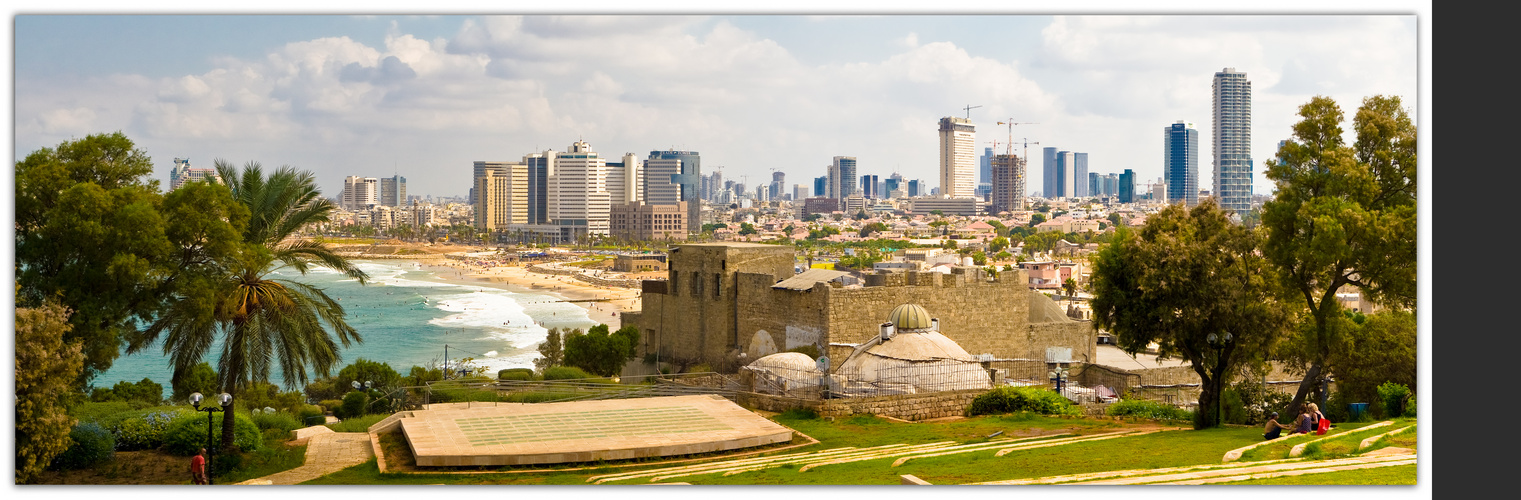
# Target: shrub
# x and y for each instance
(145, 432)
(90, 444)
(1008, 399)
(146, 392)
(187, 434)
(1393, 395)
(1148, 409)
(1249, 403)
(515, 374)
(565, 373)
(267, 395)
(279, 420)
(353, 405)
(1410, 407)
(307, 413)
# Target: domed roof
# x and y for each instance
(787, 361)
(909, 317)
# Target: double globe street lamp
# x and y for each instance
(223, 399)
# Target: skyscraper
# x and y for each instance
(1048, 177)
(1180, 163)
(501, 190)
(393, 191)
(1008, 194)
(778, 185)
(1233, 140)
(892, 183)
(625, 180)
(578, 193)
(360, 193)
(691, 170)
(1080, 175)
(842, 177)
(869, 185)
(958, 174)
(821, 186)
(538, 186)
(1127, 186)
(984, 166)
(182, 173)
(1065, 176)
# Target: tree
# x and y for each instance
(1342, 216)
(747, 228)
(1071, 287)
(861, 215)
(1114, 219)
(550, 351)
(1037, 219)
(47, 367)
(1381, 349)
(260, 321)
(998, 244)
(598, 352)
(200, 378)
(875, 227)
(381, 375)
(1185, 280)
(69, 201)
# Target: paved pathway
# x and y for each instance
(325, 454)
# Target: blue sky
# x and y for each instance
(424, 96)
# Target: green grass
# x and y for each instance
(1164, 449)
(1396, 474)
(1351, 434)
(357, 424)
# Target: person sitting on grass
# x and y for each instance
(1303, 424)
(1273, 429)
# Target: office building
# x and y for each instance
(958, 167)
(1048, 175)
(1008, 193)
(538, 186)
(821, 186)
(824, 206)
(870, 187)
(393, 191)
(916, 188)
(1233, 140)
(799, 192)
(984, 167)
(842, 177)
(688, 179)
(1180, 163)
(625, 180)
(892, 183)
(182, 173)
(1080, 175)
(1127, 186)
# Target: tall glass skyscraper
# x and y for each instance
(1080, 175)
(1233, 140)
(691, 171)
(1180, 163)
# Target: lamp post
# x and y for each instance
(195, 400)
(1219, 342)
(1058, 376)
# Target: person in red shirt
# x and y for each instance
(198, 467)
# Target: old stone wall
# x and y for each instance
(983, 316)
(912, 407)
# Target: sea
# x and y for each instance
(406, 314)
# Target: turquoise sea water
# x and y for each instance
(406, 314)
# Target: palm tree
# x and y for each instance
(262, 321)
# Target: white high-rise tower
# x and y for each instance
(958, 158)
(1233, 140)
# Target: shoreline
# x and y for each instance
(613, 301)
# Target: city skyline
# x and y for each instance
(424, 97)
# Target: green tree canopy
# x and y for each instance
(200, 378)
(1342, 216)
(1183, 281)
(869, 229)
(551, 351)
(599, 352)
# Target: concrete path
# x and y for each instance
(325, 454)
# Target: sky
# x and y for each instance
(425, 96)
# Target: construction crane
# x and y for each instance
(1027, 147)
(969, 109)
(1011, 125)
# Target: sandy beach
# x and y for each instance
(603, 304)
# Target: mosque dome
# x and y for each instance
(910, 317)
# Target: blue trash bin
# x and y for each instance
(1356, 410)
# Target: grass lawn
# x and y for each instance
(1397, 474)
(1166, 448)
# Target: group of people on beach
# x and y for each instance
(1310, 420)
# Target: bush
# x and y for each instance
(1149, 410)
(90, 444)
(145, 392)
(515, 374)
(267, 395)
(310, 415)
(145, 432)
(565, 373)
(353, 405)
(187, 434)
(279, 420)
(1249, 403)
(1393, 395)
(330, 405)
(1009, 399)
(1410, 407)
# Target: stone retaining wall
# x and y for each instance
(595, 280)
(912, 407)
